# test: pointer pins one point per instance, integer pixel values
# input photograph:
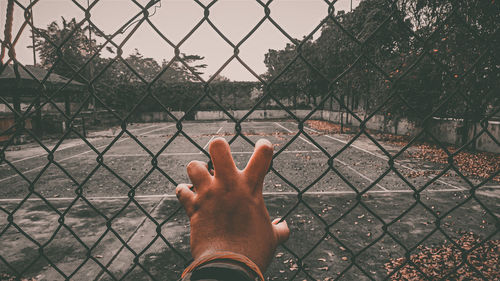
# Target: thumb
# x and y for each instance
(186, 197)
(281, 231)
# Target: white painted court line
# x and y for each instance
(360, 174)
(341, 162)
(159, 129)
(152, 196)
(39, 155)
(205, 146)
(383, 157)
(213, 137)
(301, 137)
(73, 156)
(64, 148)
(144, 128)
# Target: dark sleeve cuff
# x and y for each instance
(221, 270)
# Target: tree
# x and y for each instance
(334, 51)
(386, 32)
(118, 81)
(66, 48)
(125, 82)
(295, 82)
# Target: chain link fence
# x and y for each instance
(392, 19)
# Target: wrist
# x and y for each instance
(258, 250)
(224, 257)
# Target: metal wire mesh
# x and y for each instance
(394, 15)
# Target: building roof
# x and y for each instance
(30, 79)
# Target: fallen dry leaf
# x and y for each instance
(325, 126)
(471, 164)
(446, 261)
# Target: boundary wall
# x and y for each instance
(446, 130)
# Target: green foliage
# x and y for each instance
(120, 82)
(355, 51)
(457, 34)
(183, 96)
(65, 48)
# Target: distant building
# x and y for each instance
(28, 87)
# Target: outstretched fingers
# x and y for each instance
(222, 160)
(259, 163)
(186, 197)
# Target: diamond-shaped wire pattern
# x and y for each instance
(379, 224)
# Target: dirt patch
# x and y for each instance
(56, 252)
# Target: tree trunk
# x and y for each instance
(347, 107)
(18, 123)
(38, 121)
(67, 110)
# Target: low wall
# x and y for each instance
(6, 122)
(259, 114)
(157, 116)
(452, 131)
(386, 124)
(449, 131)
(48, 107)
(484, 142)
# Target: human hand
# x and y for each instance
(227, 210)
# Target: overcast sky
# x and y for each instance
(175, 18)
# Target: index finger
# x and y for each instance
(222, 160)
(259, 163)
